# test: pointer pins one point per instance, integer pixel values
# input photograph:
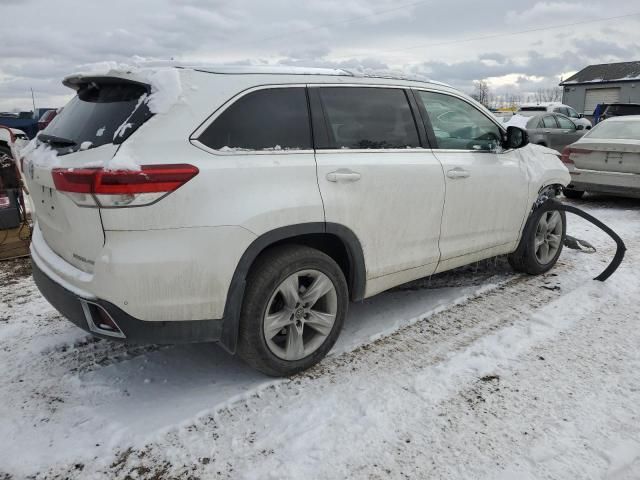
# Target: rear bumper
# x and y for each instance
(70, 305)
(605, 182)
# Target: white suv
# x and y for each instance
(248, 206)
(555, 107)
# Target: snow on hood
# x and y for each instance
(519, 121)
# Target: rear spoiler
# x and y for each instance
(77, 80)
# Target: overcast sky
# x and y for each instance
(42, 40)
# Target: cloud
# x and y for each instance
(423, 37)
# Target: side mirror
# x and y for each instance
(581, 115)
(516, 137)
(579, 127)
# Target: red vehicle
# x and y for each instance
(46, 119)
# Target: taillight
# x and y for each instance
(96, 187)
(570, 152)
(5, 202)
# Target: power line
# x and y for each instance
(340, 22)
(508, 34)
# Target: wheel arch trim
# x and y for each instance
(235, 294)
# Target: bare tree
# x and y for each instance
(549, 94)
(482, 92)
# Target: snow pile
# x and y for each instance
(39, 154)
(86, 145)
(519, 121)
(166, 89)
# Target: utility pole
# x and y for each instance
(33, 100)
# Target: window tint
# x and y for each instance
(549, 122)
(573, 113)
(565, 123)
(458, 124)
(275, 118)
(99, 114)
(364, 117)
(623, 110)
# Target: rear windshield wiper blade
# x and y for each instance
(52, 139)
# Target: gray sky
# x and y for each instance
(42, 40)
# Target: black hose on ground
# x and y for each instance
(550, 205)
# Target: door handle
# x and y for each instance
(343, 175)
(458, 173)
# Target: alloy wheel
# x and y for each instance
(300, 315)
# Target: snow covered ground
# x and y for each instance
(478, 373)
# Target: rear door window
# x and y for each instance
(369, 118)
(100, 113)
(565, 123)
(269, 119)
(549, 122)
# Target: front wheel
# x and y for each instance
(542, 242)
(294, 307)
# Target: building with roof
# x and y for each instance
(605, 83)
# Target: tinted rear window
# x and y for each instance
(363, 118)
(275, 118)
(97, 113)
(533, 109)
(623, 110)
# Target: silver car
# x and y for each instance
(551, 130)
(606, 160)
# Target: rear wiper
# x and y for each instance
(52, 139)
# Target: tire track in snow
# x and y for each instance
(385, 369)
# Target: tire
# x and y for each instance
(529, 257)
(5, 151)
(573, 194)
(269, 294)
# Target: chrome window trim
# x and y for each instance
(193, 139)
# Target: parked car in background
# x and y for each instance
(548, 129)
(253, 209)
(46, 118)
(609, 110)
(606, 159)
(554, 107)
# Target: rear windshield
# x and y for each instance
(97, 115)
(628, 130)
(623, 110)
(533, 109)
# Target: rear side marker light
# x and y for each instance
(569, 151)
(96, 187)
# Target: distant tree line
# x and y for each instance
(487, 97)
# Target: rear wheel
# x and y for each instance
(573, 194)
(541, 244)
(294, 307)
